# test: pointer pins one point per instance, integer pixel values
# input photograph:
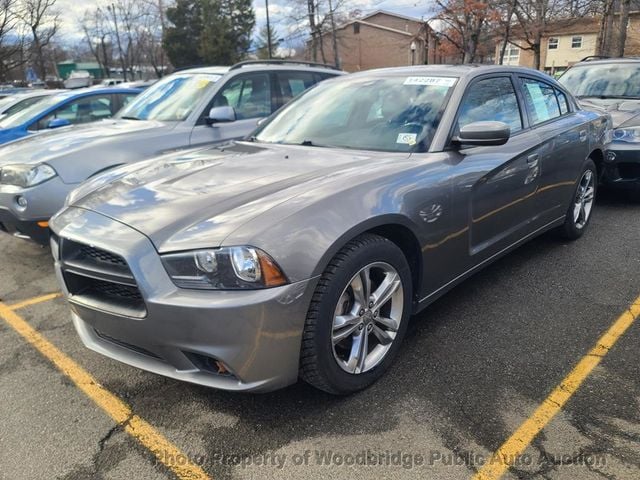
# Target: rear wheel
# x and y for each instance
(579, 213)
(358, 316)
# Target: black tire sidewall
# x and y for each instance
(336, 377)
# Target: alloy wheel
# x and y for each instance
(585, 197)
(367, 318)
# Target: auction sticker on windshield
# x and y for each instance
(437, 81)
(407, 138)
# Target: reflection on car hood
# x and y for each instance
(178, 199)
(51, 146)
(624, 113)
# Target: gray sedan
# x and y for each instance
(189, 108)
(303, 252)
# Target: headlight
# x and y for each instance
(225, 268)
(631, 134)
(26, 175)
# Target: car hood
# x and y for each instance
(52, 146)
(201, 196)
(624, 113)
(10, 134)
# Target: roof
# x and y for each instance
(215, 70)
(78, 92)
(609, 61)
(392, 14)
(373, 25)
(570, 26)
(449, 70)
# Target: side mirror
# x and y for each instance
(484, 134)
(58, 122)
(221, 115)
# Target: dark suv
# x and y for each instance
(613, 85)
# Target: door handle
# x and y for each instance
(533, 160)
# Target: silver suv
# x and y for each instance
(189, 108)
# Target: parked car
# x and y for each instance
(306, 248)
(61, 110)
(613, 85)
(79, 79)
(189, 108)
(14, 103)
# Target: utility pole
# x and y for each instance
(268, 29)
(112, 7)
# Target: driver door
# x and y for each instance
(251, 97)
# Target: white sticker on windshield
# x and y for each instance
(437, 81)
(407, 138)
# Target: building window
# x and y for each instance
(553, 43)
(356, 28)
(512, 55)
(576, 42)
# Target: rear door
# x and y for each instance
(290, 84)
(499, 192)
(564, 144)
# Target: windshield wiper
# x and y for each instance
(130, 117)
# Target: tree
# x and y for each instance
(182, 35)
(216, 32)
(41, 18)
(11, 40)
(266, 34)
(465, 22)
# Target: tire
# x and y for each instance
(584, 193)
(336, 309)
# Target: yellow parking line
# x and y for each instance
(33, 301)
(121, 413)
(515, 446)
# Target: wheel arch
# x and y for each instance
(394, 227)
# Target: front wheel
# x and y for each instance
(579, 213)
(358, 316)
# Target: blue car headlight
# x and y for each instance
(26, 175)
(224, 268)
(629, 134)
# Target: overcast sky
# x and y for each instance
(72, 11)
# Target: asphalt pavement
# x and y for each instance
(474, 367)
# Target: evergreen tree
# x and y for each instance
(263, 42)
(211, 32)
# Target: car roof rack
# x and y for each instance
(594, 57)
(281, 62)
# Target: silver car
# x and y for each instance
(189, 108)
(304, 251)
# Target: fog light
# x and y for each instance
(611, 157)
(21, 201)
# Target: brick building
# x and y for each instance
(380, 39)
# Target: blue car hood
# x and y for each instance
(10, 134)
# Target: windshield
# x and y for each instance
(31, 112)
(390, 113)
(170, 99)
(603, 80)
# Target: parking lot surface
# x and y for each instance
(474, 367)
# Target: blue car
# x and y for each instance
(67, 108)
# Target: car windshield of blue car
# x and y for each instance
(31, 112)
(604, 80)
(383, 113)
(170, 99)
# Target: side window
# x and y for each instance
(126, 99)
(22, 105)
(82, 110)
(292, 84)
(249, 95)
(562, 101)
(541, 100)
(491, 99)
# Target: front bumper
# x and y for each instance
(622, 166)
(43, 201)
(182, 333)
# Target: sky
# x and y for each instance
(73, 11)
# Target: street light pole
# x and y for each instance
(266, 2)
